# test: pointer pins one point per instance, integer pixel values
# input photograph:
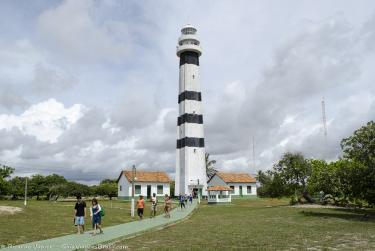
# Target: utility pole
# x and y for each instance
(134, 172)
(253, 153)
(25, 202)
(324, 120)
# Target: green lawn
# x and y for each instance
(42, 219)
(263, 224)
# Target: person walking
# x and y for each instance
(140, 207)
(96, 216)
(182, 201)
(167, 206)
(191, 199)
(154, 202)
(80, 214)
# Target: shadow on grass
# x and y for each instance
(344, 214)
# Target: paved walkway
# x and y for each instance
(83, 241)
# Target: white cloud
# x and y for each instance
(46, 120)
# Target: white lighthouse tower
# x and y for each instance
(190, 166)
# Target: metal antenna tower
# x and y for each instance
(253, 145)
(324, 119)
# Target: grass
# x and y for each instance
(262, 224)
(42, 219)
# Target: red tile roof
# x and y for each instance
(144, 176)
(219, 188)
(236, 177)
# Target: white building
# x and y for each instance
(242, 184)
(145, 183)
(219, 194)
(190, 159)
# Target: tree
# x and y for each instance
(38, 186)
(54, 181)
(108, 181)
(75, 189)
(107, 189)
(322, 178)
(360, 148)
(5, 173)
(272, 185)
(361, 145)
(349, 175)
(17, 187)
(294, 171)
(210, 169)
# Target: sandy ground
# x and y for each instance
(314, 206)
(9, 210)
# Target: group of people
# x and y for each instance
(97, 211)
(154, 203)
(183, 200)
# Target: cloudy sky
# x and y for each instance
(88, 88)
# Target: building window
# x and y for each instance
(249, 189)
(232, 191)
(160, 189)
(120, 188)
(137, 189)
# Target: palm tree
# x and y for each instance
(210, 169)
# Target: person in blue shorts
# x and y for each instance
(80, 214)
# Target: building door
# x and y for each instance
(240, 190)
(195, 192)
(148, 191)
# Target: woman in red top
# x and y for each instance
(140, 206)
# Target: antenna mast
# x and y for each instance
(253, 152)
(324, 119)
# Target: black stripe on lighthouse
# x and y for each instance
(190, 118)
(189, 57)
(189, 95)
(190, 142)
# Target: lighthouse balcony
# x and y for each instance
(189, 47)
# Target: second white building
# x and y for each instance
(242, 184)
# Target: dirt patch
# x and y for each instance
(315, 206)
(9, 210)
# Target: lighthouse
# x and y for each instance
(190, 160)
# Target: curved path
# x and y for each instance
(84, 241)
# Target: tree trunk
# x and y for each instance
(308, 197)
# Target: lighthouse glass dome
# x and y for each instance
(188, 30)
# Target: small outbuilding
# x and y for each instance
(242, 184)
(219, 194)
(145, 183)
